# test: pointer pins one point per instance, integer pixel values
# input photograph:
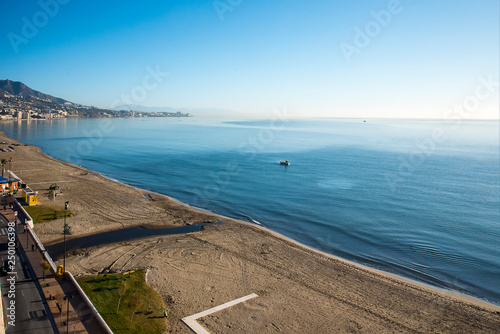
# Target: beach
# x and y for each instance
(299, 289)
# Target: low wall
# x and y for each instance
(2, 322)
(22, 215)
(94, 311)
(42, 249)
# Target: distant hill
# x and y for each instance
(19, 89)
(19, 100)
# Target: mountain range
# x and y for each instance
(19, 89)
(18, 100)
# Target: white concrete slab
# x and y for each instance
(197, 328)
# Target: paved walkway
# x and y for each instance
(56, 289)
(31, 312)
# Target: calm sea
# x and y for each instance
(418, 198)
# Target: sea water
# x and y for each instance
(417, 198)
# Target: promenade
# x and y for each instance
(71, 315)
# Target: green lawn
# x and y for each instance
(45, 213)
(138, 299)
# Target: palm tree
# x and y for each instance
(45, 267)
(3, 162)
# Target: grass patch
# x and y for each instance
(45, 213)
(141, 308)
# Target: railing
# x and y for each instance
(40, 246)
(26, 217)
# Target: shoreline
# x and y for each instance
(456, 294)
(183, 213)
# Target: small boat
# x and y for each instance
(286, 163)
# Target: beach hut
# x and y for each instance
(4, 183)
(30, 197)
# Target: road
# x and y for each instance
(31, 312)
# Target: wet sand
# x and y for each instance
(299, 290)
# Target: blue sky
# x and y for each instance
(418, 60)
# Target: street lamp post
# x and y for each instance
(10, 168)
(66, 204)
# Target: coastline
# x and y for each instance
(125, 211)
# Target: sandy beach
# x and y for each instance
(299, 290)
